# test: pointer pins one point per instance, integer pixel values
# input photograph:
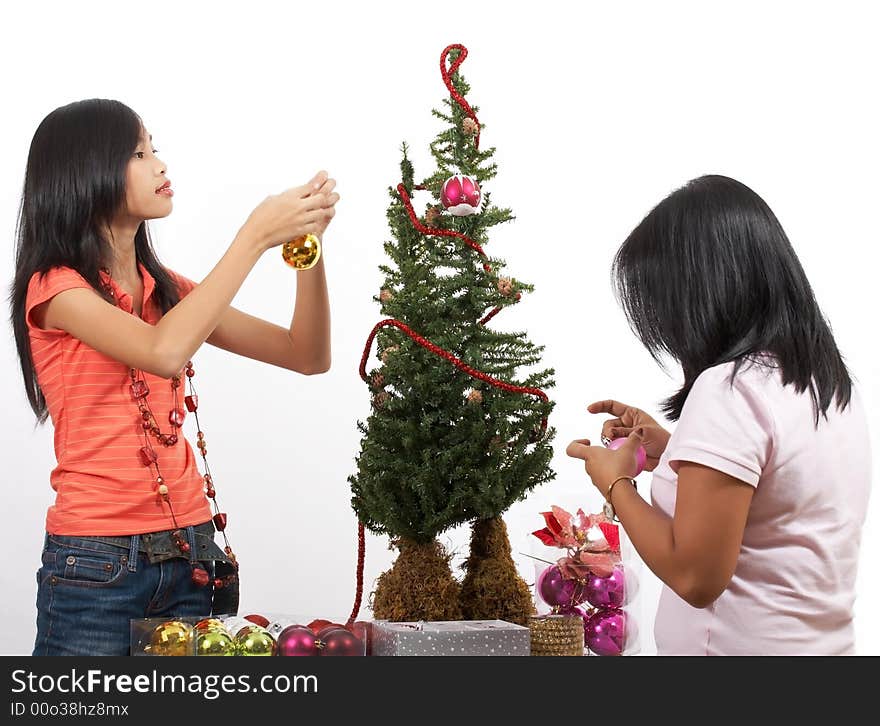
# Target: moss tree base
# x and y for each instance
(419, 586)
(492, 588)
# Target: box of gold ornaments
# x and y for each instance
(251, 635)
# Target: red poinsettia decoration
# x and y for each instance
(593, 543)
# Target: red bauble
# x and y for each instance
(258, 620)
(461, 195)
(339, 641)
(363, 630)
(297, 640)
(318, 624)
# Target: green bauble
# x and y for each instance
(254, 641)
(215, 642)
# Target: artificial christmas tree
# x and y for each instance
(452, 438)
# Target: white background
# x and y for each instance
(598, 110)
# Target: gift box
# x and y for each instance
(251, 636)
(452, 637)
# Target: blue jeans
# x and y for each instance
(90, 588)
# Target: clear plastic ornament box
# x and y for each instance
(145, 640)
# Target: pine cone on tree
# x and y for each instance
(432, 216)
(388, 351)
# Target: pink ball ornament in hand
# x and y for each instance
(557, 591)
(641, 455)
(461, 195)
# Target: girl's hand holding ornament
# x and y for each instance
(294, 213)
(628, 419)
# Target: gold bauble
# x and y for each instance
(172, 637)
(302, 252)
(209, 624)
(214, 642)
(254, 641)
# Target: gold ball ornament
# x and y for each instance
(254, 641)
(475, 397)
(172, 637)
(469, 126)
(303, 252)
(215, 642)
(505, 286)
(386, 295)
(207, 624)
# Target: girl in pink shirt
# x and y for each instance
(760, 493)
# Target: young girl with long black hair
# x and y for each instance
(106, 335)
(760, 493)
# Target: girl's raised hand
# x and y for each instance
(327, 188)
(302, 210)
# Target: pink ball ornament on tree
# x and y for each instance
(461, 195)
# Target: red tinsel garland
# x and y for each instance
(447, 79)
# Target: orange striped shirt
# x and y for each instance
(101, 485)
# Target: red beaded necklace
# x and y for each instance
(150, 426)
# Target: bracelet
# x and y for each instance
(608, 507)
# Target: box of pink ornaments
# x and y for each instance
(586, 570)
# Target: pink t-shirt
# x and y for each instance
(794, 585)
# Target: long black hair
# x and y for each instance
(710, 277)
(74, 186)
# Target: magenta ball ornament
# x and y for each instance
(340, 642)
(605, 632)
(607, 592)
(296, 640)
(557, 591)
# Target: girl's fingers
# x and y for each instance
(328, 186)
(609, 426)
(615, 408)
(579, 449)
(313, 216)
(317, 181)
(314, 201)
(618, 432)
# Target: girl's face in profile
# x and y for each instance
(147, 190)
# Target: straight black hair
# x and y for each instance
(710, 277)
(74, 186)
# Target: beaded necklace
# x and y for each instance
(149, 458)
